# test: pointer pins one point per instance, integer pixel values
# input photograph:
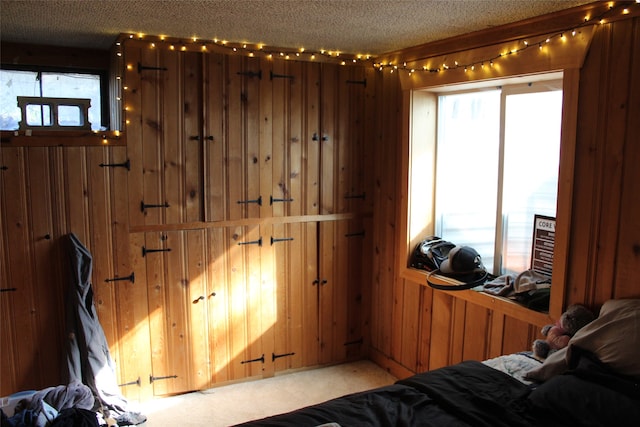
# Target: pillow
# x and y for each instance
(614, 338)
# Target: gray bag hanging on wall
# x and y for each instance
(88, 357)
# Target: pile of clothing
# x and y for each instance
(70, 405)
(530, 288)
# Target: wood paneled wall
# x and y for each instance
(203, 302)
(47, 192)
(604, 260)
(417, 328)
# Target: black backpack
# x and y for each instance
(432, 252)
(429, 254)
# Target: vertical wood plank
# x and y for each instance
(59, 197)
(295, 308)
(276, 313)
(118, 205)
(7, 361)
(457, 331)
(294, 170)
(178, 303)
(192, 202)
(255, 164)
(517, 336)
(384, 203)
(328, 138)
(363, 277)
(76, 186)
(476, 332)
(327, 285)
(196, 269)
(424, 336)
(365, 175)
(131, 315)
(312, 137)
(214, 149)
(134, 321)
(235, 191)
(357, 232)
(311, 296)
(396, 299)
(99, 243)
(55, 258)
(171, 85)
(48, 322)
(272, 134)
(219, 309)
(628, 250)
(8, 364)
(340, 291)
(25, 371)
(409, 339)
(273, 299)
(342, 139)
(133, 106)
(158, 311)
(152, 138)
(253, 274)
(496, 335)
(613, 162)
(441, 330)
(238, 300)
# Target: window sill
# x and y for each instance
(58, 138)
(499, 304)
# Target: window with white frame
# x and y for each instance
(497, 160)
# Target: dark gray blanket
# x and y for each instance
(473, 394)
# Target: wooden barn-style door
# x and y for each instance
(247, 189)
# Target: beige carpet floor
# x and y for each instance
(240, 402)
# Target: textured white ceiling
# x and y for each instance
(350, 26)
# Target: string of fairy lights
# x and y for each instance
(247, 49)
(623, 8)
(415, 65)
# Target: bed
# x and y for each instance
(594, 381)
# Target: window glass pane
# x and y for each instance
(70, 115)
(14, 84)
(467, 170)
(531, 162)
(38, 115)
(68, 85)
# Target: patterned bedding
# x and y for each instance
(516, 365)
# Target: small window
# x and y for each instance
(71, 115)
(497, 160)
(79, 88)
(37, 115)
